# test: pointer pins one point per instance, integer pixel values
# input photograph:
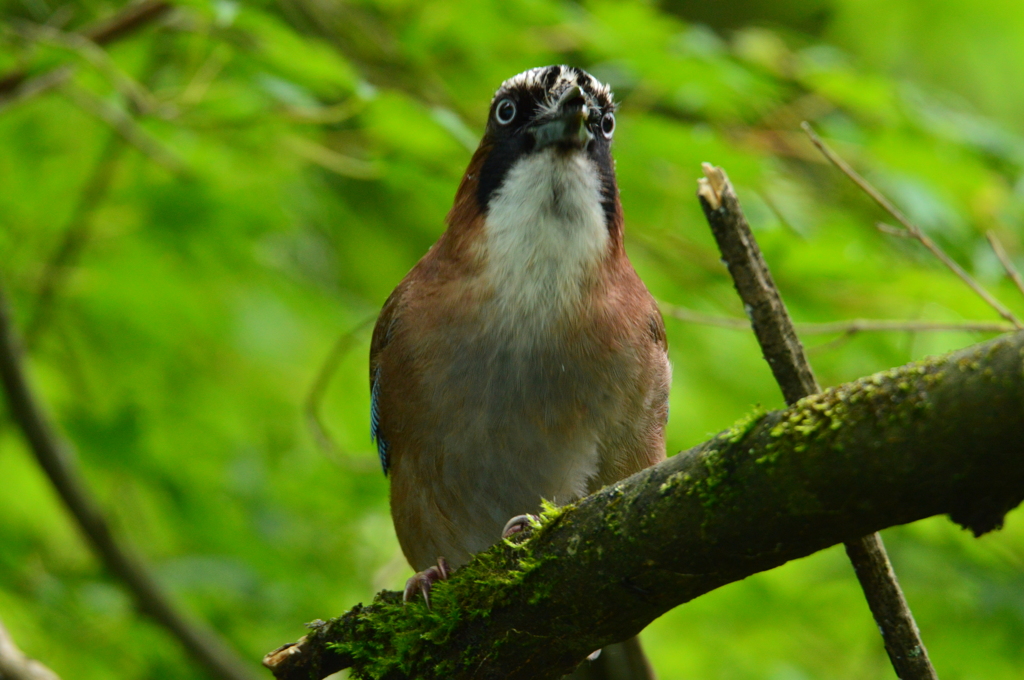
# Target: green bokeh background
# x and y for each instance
(279, 166)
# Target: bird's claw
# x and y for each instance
(423, 581)
(517, 524)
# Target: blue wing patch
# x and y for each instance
(382, 445)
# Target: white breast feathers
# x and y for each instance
(545, 232)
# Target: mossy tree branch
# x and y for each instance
(785, 354)
(944, 436)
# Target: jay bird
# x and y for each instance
(522, 358)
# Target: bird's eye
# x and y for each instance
(505, 112)
(608, 125)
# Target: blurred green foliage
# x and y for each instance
(233, 187)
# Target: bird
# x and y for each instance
(522, 358)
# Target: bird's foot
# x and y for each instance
(422, 581)
(517, 524)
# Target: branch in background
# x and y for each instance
(1007, 263)
(78, 229)
(870, 325)
(329, 159)
(934, 437)
(57, 459)
(785, 354)
(14, 665)
(200, 83)
(36, 86)
(135, 93)
(892, 231)
(315, 397)
(912, 229)
(76, 234)
(123, 124)
(693, 316)
(833, 344)
(326, 115)
(128, 20)
(851, 327)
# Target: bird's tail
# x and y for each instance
(621, 661)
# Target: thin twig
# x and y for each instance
(329, 159)
(852, 326)
(912, 228)
(204, 77)
(733, 323)
(124, 125)
(14, 665)
(122, 24)
(831, 345)
(98, 57)
(314, 398)
(76, 234)
(779, 215)
(36, 86)
(892, 231)
(78, 230)
(129, 19)
(326, 115)
(880, 325)
(1004, 258)
(56, 457)
(785, 355)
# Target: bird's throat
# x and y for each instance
(544, 237)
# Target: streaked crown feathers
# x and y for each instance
(547, 83)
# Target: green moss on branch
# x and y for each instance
(942, 436)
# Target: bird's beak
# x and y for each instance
(567, 124)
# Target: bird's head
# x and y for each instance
(549, 123)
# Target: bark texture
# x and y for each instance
(785, 354)
(943, 436)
